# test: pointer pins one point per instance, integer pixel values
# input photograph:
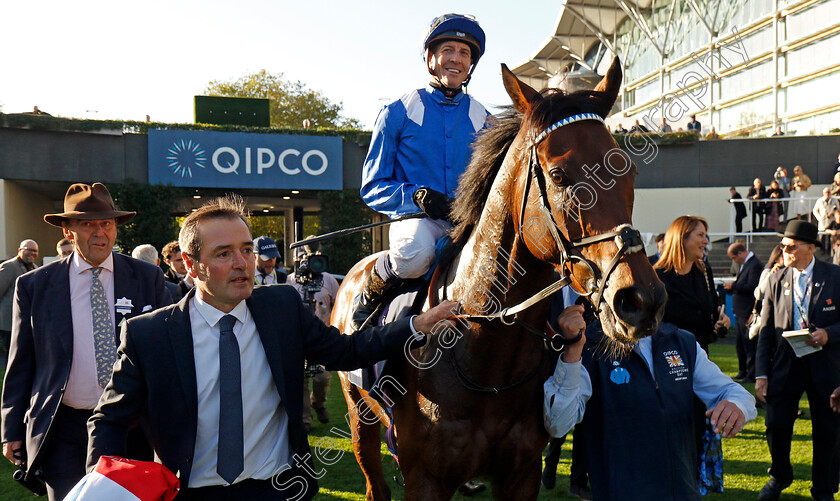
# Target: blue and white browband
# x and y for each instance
(567, 121)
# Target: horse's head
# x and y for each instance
(575, 200)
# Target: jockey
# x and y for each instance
(419, 149)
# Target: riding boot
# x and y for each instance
(376, 288)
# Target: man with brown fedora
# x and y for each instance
(803, 295)
(65, 329)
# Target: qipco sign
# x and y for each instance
(204, 159)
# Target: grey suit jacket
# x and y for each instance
(774, 356)
(9, 271)
(42, 342)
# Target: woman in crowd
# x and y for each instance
(773, 208)
(835, 185)
(692, 303)
(799, 191)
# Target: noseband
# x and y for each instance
(627, 238)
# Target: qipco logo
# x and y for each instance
(290, 161)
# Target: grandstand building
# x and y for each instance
(745, 67)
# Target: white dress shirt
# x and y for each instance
(568, 390)
(265, 422)
(83, 390)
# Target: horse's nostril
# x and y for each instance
(629, 300)
(631, 304)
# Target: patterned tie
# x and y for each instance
(103, 330)
(801, 297)
(230, 461)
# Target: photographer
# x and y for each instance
(318, 290)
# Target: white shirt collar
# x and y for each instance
(211, 315)
(749, 255)
(808, 269)
(80, 265)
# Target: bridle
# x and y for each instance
(627, 238)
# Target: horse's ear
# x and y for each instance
(611, 83)
(521, 94)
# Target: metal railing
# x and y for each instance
(749, 203)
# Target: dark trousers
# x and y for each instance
(745, 347)
(758, 217)
(253, 490)
(781, 414)
(5, 343)
(578, 476)
(739, 224)
(66, 453)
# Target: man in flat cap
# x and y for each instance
(66, 319)
(803, 295)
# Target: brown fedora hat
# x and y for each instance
(88, 202)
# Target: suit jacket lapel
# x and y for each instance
(60, 310)
(180, 338)
(817, 286)
(267, 328)
(126, 286)
(787, 297)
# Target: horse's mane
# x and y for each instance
(493, 143)
(489, 151)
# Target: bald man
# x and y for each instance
(9, 271)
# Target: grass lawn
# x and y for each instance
(745, 468)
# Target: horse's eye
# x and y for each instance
(557, 176)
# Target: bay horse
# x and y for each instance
(547, 188)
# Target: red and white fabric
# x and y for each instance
(120, 479)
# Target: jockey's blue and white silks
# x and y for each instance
(420, 140)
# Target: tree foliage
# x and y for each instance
(155, 205)
(341, 210)
(291, 102)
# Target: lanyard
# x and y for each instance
(800, 302)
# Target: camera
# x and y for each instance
(309, 273)
(34, 482)
(310, 268)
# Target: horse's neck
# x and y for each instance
(490, 262)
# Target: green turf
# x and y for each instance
(745, 467)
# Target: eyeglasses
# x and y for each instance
(790, 247)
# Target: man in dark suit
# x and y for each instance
(64, 335)
(740, 210)
(660, 246)
(802, 295)
(743, 300)
(9, 271)
(180, 377)
(177, 272)
(148, 253)
(757, 192)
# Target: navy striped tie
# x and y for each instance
(230, 461)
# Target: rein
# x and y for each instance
(627, 238)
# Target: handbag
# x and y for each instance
(710, 474)
(754, 322)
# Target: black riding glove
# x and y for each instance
(435, 204)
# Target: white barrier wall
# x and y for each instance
(23, 217)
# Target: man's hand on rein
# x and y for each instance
(570, 323)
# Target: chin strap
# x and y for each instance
(449, 93)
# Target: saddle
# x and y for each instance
(406, 301)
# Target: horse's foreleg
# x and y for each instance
(366, 441)
(521, 485)
(423, 487)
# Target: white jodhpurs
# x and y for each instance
(413, 245)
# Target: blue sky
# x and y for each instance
(115, 60)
